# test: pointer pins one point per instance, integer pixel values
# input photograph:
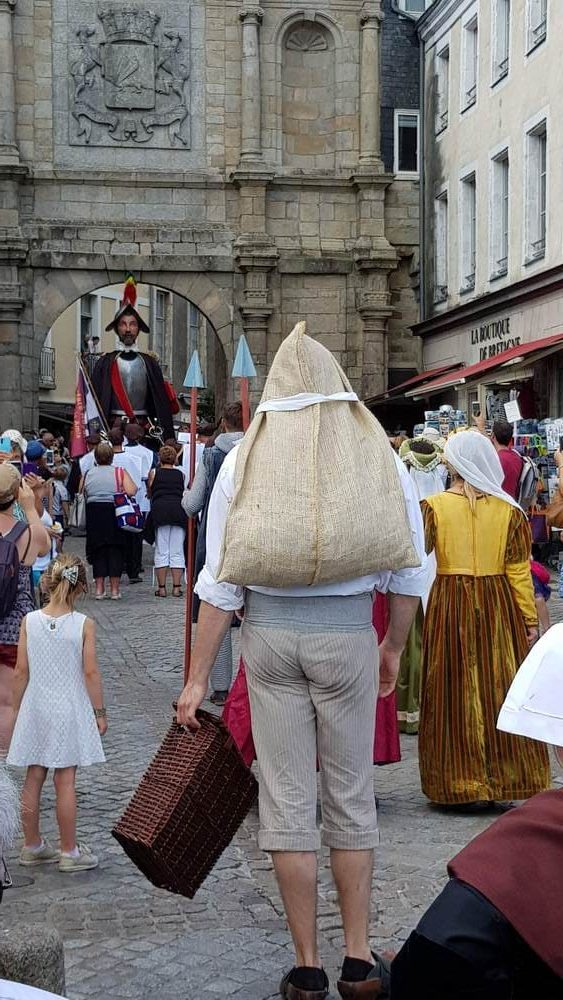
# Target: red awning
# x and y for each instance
(478, 371)
(410, 383)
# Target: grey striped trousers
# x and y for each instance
(313, 693)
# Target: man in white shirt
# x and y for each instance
(311, 656)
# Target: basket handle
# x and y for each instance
(214, 720)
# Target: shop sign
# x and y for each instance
(493, 338)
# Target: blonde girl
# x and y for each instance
(60, 712)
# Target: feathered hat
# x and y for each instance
(127, 306)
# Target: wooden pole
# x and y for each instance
(245, 403)
(190, 561)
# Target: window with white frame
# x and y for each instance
(501, 39)
(470, 63)
(413, 6)
(158, 324)
(536, 192)
(536, 23)
(441, 247)
(468, 232)
(442, 84)
(406, 142)
(499, 214)
(87, 325)
(193, 329)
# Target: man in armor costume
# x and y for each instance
(129, 383)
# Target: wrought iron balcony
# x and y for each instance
(47, 368)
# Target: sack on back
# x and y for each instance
(318, 497)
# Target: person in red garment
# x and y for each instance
(509, 459)
(494, 933)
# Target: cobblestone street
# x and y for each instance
(122, 937)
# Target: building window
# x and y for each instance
(499, 215)
(193, 329)
(158, 324)
(468, 232)
(441, 248)
(470, 63)
(501, 39)
(442, 89)
(536, 192)
(537, 23)
(406, 142)
(87, 331)
(413, 6)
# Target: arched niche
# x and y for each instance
(308, 95)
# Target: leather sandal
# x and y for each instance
(375, 987)
(290, 992)
(160, 592)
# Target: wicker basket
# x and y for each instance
(188, 806)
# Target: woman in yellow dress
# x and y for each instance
(480, 622)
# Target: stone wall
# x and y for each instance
(232, 151)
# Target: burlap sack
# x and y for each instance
(317, 493)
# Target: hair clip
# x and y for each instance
(70, 573)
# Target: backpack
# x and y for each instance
(10, 567)
(528, 482)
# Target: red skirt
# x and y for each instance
(8, 655)
(386, 746)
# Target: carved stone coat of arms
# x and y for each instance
(130, 81)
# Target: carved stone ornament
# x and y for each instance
(130, 79)
(306, 39)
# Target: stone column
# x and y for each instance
(8, 148)
(370, 90)
(374, 306)
(251, 137)
(256, 256)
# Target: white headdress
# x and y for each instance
(474, 457)
(534, 703)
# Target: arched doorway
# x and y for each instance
(177, 327)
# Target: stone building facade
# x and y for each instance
(228, 152)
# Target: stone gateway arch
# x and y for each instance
(227, 151)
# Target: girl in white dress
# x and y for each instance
(60, 712)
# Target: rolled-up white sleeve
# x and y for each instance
(411, 582)
(225, 596)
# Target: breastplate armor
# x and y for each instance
(135, 382)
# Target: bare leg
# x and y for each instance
(296, 872)
(100, 585)
(352, 871)
(543, 613)
(161, 574)
(114, 582)
(6, 710)
(66, 807)
(31, 802)
(177, 575)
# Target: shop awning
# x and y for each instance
(411, 383)
(479, 372)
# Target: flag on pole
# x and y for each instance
(87, 417)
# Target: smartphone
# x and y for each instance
(476, 408)
(50, 456)
(30, 467)
(18, 466)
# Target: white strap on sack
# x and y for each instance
(304, 399)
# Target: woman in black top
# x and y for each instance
(165, 487)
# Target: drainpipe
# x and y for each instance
(422, 165)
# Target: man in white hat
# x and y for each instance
(310, 651)
(494, 933)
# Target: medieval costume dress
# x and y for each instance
(480, 606)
